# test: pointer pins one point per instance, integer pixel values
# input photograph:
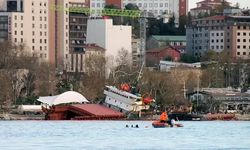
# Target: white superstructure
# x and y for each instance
(123, 101)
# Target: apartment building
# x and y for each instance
(218, 33)
(159, 8)
(51, 34)
(206, 6)
(26, 22)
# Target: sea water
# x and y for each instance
(114, 135)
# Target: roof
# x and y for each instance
(223, 92)
(211, 1)
(217, 17)
(202, 8)
(157, 50)
(96, 110)
(64, 98)
(169, 38)
(94, 47)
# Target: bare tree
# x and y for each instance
(93, 82)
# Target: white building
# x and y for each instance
(159, 8)
(111, 37)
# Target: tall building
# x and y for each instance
(27, 22)
(112, 38)
(218, 33)
(159, 8)
(47, 29)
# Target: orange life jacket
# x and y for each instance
(164, 116)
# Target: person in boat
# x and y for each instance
(164, 117)
(172, 122)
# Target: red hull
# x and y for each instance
(158, 124)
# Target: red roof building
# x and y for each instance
(154, 56)
(117, 3)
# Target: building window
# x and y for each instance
(15, 32)
(45, 41)
(244, 40)
(228, 47)
(228, 40)
(212, 40)
(33, 40)
(21, 25)
(238, 40)
(238, 46)
(238, 53)
(41, 26)
(45, 33)
(33, 25)
(33, 48)
(221, 34)
(15, 17)
(244, 53)
(41, 33)
(244, 33)
(244, 46)
(41, 19)
(221, 47)
(221, 40)
(33, 32)
(238, 33)
(21, 17)
(41, 41)
(15, 39)
(15, 25)
(217, 34)
(21, 40)
(238, 27)
(33, 18)
(41, 48)
(21, 32)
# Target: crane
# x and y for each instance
(142, 15)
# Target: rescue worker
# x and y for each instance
(164, 117)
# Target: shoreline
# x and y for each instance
(9, 116)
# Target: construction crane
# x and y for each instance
(142, 15)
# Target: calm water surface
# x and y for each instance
(112, 135)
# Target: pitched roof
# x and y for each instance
(169, 38)
(94, 47)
